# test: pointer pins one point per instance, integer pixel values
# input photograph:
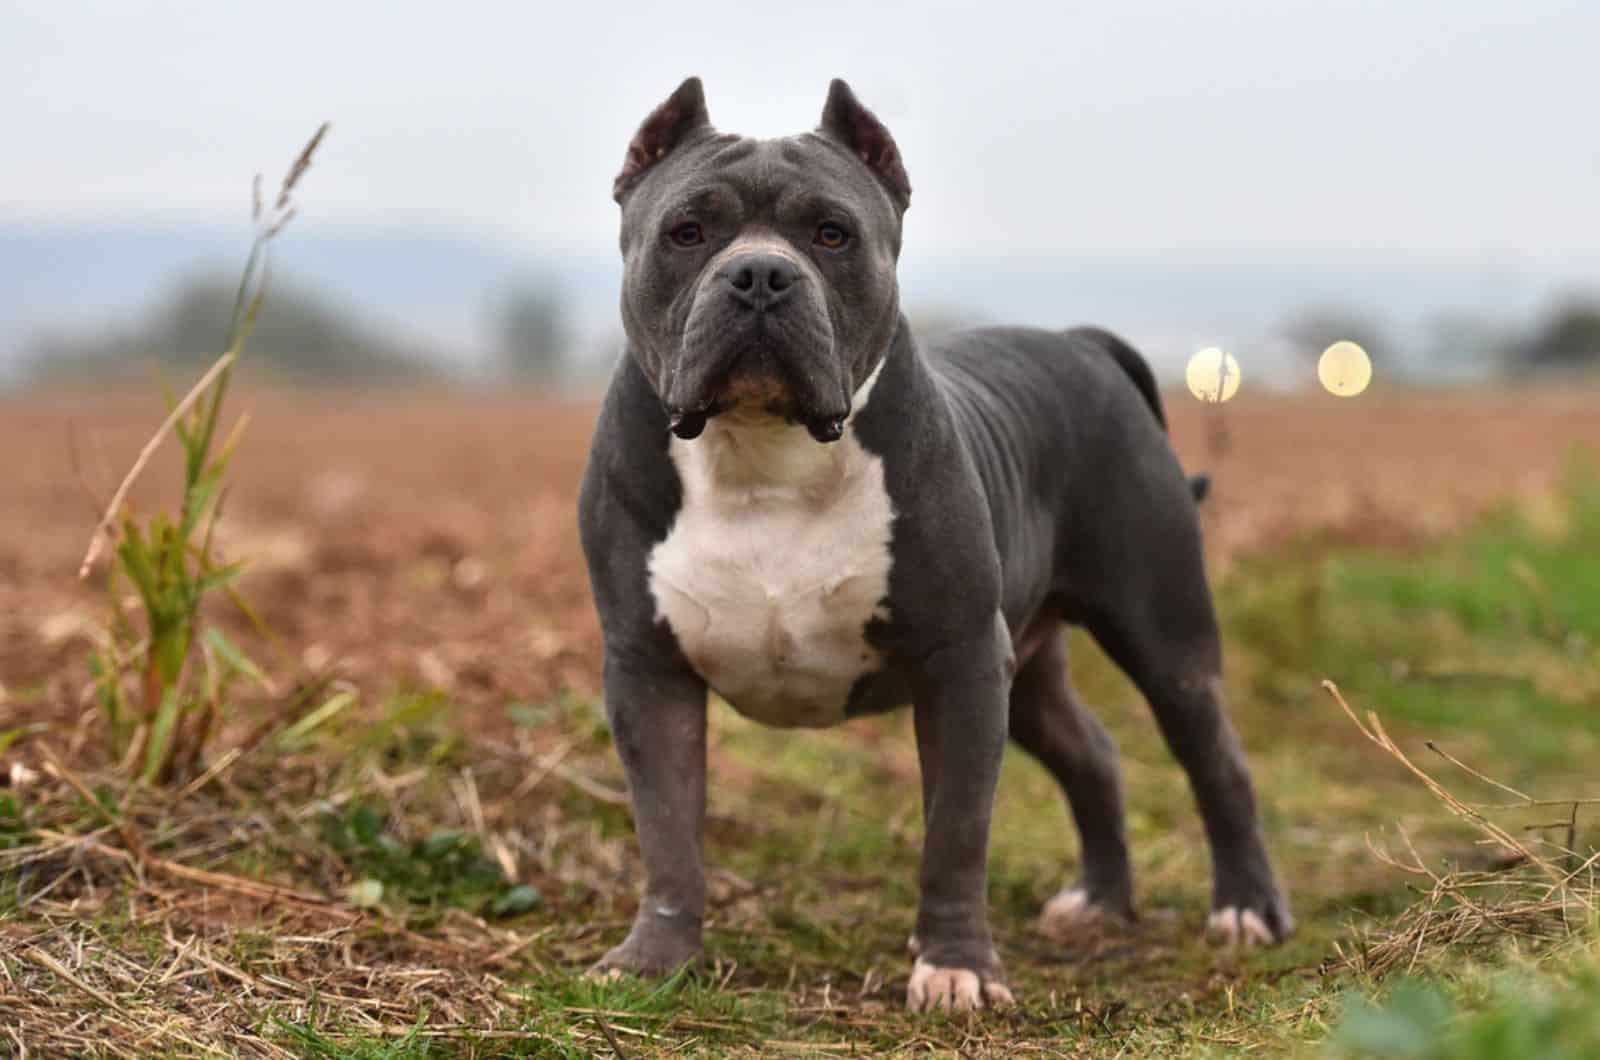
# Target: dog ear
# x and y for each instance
(683, 113)
(847, 121)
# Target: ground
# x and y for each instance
(428, 870)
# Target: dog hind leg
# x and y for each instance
(1049, 722)
(1172, 652)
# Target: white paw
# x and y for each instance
(933, 988)
(1070, 915)
(1232, 927)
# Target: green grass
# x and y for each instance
(1489, 635)
(1507, 580)
(14, 830)
(426, 875)
(1547, 1011)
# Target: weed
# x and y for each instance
(446, 868)
(180, 673)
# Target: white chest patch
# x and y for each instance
(777, 561)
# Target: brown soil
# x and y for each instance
(430, 539)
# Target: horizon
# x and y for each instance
(435, 288)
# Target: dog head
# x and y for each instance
(760, 273)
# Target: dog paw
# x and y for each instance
(647, 953)
(1248, 908)
(1072, 915)
(1232, 927)
(937, 989)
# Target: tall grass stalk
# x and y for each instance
(163, 677)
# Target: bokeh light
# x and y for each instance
(1213, 375)
(1344, 369)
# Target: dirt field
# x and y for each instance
(339, 897)
(431, 537)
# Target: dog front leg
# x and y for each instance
(658, 723)
(960, 699)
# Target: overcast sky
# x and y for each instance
(1460, 131)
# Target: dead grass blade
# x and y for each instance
(102, 530)
(1537, 898)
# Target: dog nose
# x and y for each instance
(761, 280)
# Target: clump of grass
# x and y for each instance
(1537, 890)
(1537, 900)
(445, 869)
(163, 677)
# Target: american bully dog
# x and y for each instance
(794, 503)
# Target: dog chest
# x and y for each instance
(778, 559)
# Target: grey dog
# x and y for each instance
(792, 502)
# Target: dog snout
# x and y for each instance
(761, 281)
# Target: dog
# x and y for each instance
(792, 502)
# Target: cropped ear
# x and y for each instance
(668, 125)
(847, 121)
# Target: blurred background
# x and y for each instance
(1267, 178)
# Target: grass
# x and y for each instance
(1547, 1011)
(163, 679)
(349, 889)
(1497, 631)
(446, 869)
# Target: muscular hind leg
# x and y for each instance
(1176, 662)
(1050, 724)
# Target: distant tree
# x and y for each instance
(298, 336)
(1568, 337)
(534, 334)
(1313, 330)
(1462, 345)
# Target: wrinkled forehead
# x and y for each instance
(765, 178)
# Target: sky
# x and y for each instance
(1452, 132)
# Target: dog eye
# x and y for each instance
(831, 236)
(687, 234)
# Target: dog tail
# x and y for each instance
(1135, 366)
(1138, 370)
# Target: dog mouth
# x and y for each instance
(752, 381)
(689, 425)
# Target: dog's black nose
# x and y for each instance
(761, 280)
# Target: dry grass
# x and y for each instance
(119, 923)
(1540, 891)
